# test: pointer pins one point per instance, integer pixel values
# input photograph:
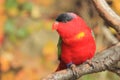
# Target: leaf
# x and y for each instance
(6, 58)
(44, 3)
(10, 4)
(9, 27)
(116, 6)
(12, 38)
(8, 76)
(13, 12)
(35, 12)
(21, 1)
(113, 30)
(22, 33)
(27, 6)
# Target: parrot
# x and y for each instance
(76, 42)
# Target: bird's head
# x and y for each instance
(68, 24)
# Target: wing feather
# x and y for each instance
(59, 47)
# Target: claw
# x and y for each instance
(89, 62)
(75, 71)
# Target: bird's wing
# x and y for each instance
(59, 47)
(93, 34)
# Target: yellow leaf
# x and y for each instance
(112, 30)
(21, 1)
(116, 6)
(13, 12)
(35, 12)
(9, 75)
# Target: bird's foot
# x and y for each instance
(89, 62)
(75, 71)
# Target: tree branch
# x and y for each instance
(107, 14)
(105, 60)
(109, 35)
(116, 68)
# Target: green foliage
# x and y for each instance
(59, 47)
(22, 33)
(9, 27)
(27, 6)
(25, 19)
(14, 33)
(12, 38)
(10, 4)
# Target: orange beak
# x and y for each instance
(55, 26)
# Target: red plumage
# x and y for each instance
(78, 44)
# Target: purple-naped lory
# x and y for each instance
(76, 42)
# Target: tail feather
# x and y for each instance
(61, 66)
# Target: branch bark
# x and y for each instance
(107, 14)
(105, 60)
(107, 33)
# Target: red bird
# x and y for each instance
(76, 43)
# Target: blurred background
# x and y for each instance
(28, 45)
